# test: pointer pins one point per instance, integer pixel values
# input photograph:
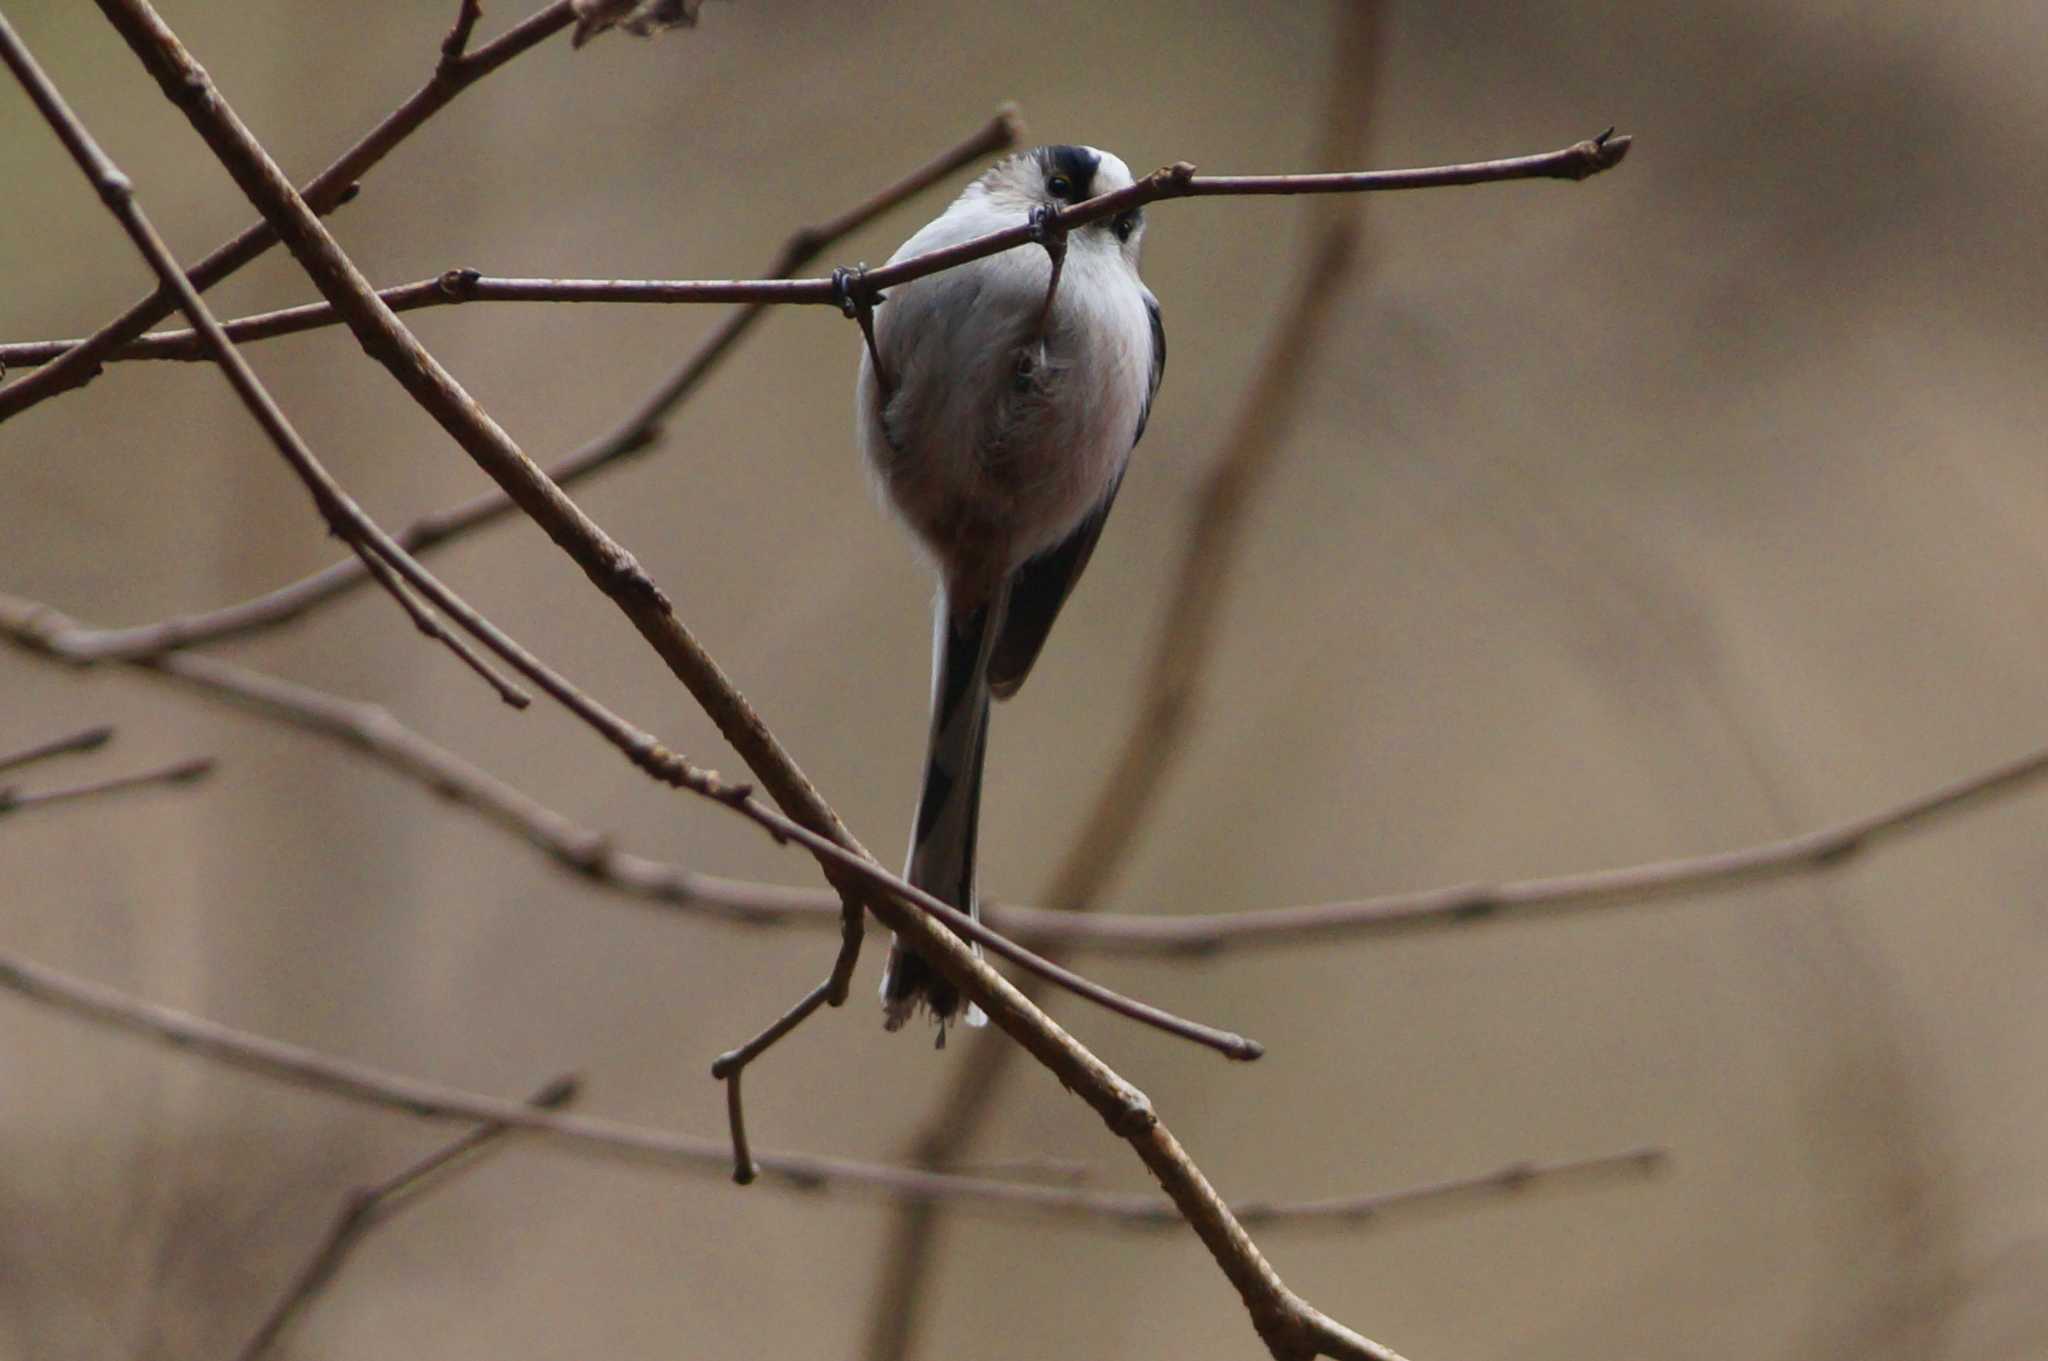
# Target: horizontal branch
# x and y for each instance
(280, 1061)
(1574, 162)
(590, 854)
(634, 435)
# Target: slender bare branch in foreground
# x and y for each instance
(368, 1206)
(279, 1061)
(636, 434)
(471, 285)
(179, 772)
(343, 516)
(88, 739)
(332, 187)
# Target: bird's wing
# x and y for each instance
(1041, 586)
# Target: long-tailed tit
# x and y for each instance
(998, 404)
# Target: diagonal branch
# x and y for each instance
(332, 187)
(344, 517)
(87, 739)
(368, 1206)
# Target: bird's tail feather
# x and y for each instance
(948, 807)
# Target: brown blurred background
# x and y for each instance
(1692, 506)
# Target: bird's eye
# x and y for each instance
(1126, 223)
(1059, 186)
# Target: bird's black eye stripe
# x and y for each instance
(1069, 170)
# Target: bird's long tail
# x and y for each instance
(948, 806)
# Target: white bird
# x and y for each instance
(998, 426)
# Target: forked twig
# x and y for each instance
(728, 1066)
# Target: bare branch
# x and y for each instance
(423, 620)
(343, 516)
(374, 732)
(35, 626)
(89, 739)
(463, 285)
(457, 41)
(327, 191)
(178, 772)
(589, 854)
(280, 1061)
(728, 1066)
(636, 434)
(999, 133)
(368, 1206)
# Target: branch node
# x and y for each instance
(116, 189)
(1596, 154)
(857, 300)
(460, 284)
(1134, 1116)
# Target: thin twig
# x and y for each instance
(280, 1061)
(470, 285)
(636, 434)
(178, 772)
(457, 41)
(343, 516)
(88, 739)
(728, 1066)
(463, 285)
(325, 192)
(364, 1208)
(423, 620)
